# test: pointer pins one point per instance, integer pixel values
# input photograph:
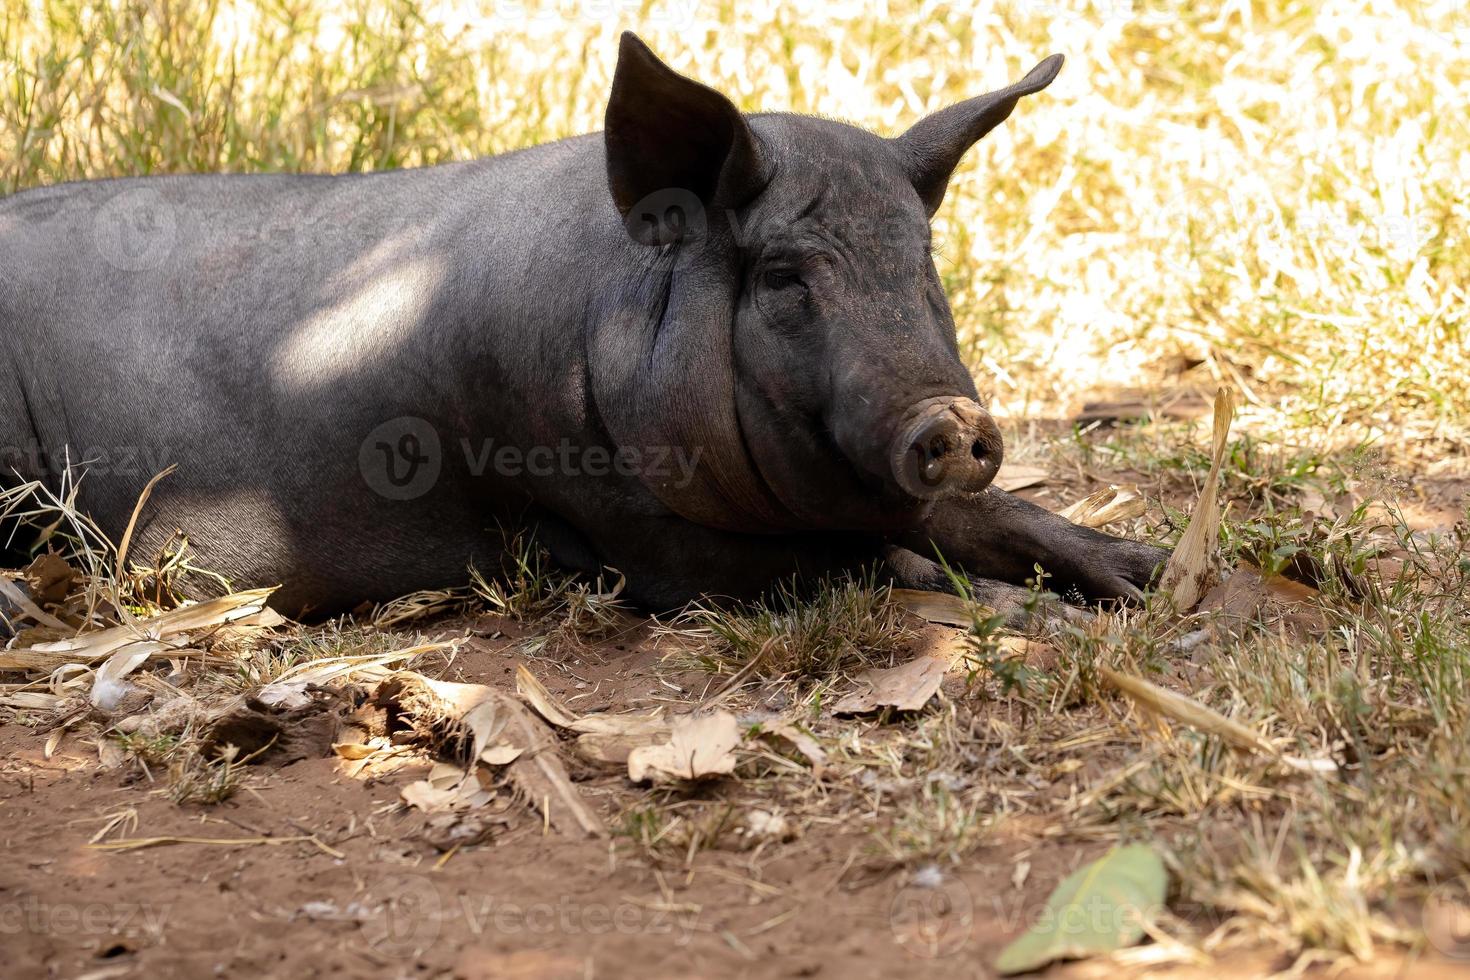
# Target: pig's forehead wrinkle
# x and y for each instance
(798, 145)
(826, 215)
(835, 183)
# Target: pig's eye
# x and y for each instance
(781, 279)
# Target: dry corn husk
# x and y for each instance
(1188, 711)
(1106, 506)
(1187, 572)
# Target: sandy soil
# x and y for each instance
(367, 896)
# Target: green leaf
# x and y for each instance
(1096, 909)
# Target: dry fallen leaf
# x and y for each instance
(613, 749)
(909, 686)
(1012, 477)
(501, 754)
(698, 746)
(1247, 594)
(447, 787)
(485, 717)
(423, 795)
(788, 733)
(50, 578)
(352, 748)
(935, 607)
(542, 701)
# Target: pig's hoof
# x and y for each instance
(1119, 570)
(1022, 607)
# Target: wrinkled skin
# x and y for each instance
(748, 303)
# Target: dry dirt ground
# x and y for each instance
(366, 895)
(314, 868)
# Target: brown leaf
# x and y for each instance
(487, 717)
(935, 607)
(1013, 477)
(352, 744)
(787, 733)
(699, 746)
(50, 578)
(421, 796)
(1249, 595)
(501, 754)
(614, 748)
(909, 686)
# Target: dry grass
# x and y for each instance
(832, 628)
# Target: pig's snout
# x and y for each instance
(945, 446)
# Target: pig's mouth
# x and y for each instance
(945, 446)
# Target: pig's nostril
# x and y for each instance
(929, 458)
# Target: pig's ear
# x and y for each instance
(933, 146)
(672, 143)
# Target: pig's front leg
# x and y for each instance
(1018, 604)
(998, 536)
